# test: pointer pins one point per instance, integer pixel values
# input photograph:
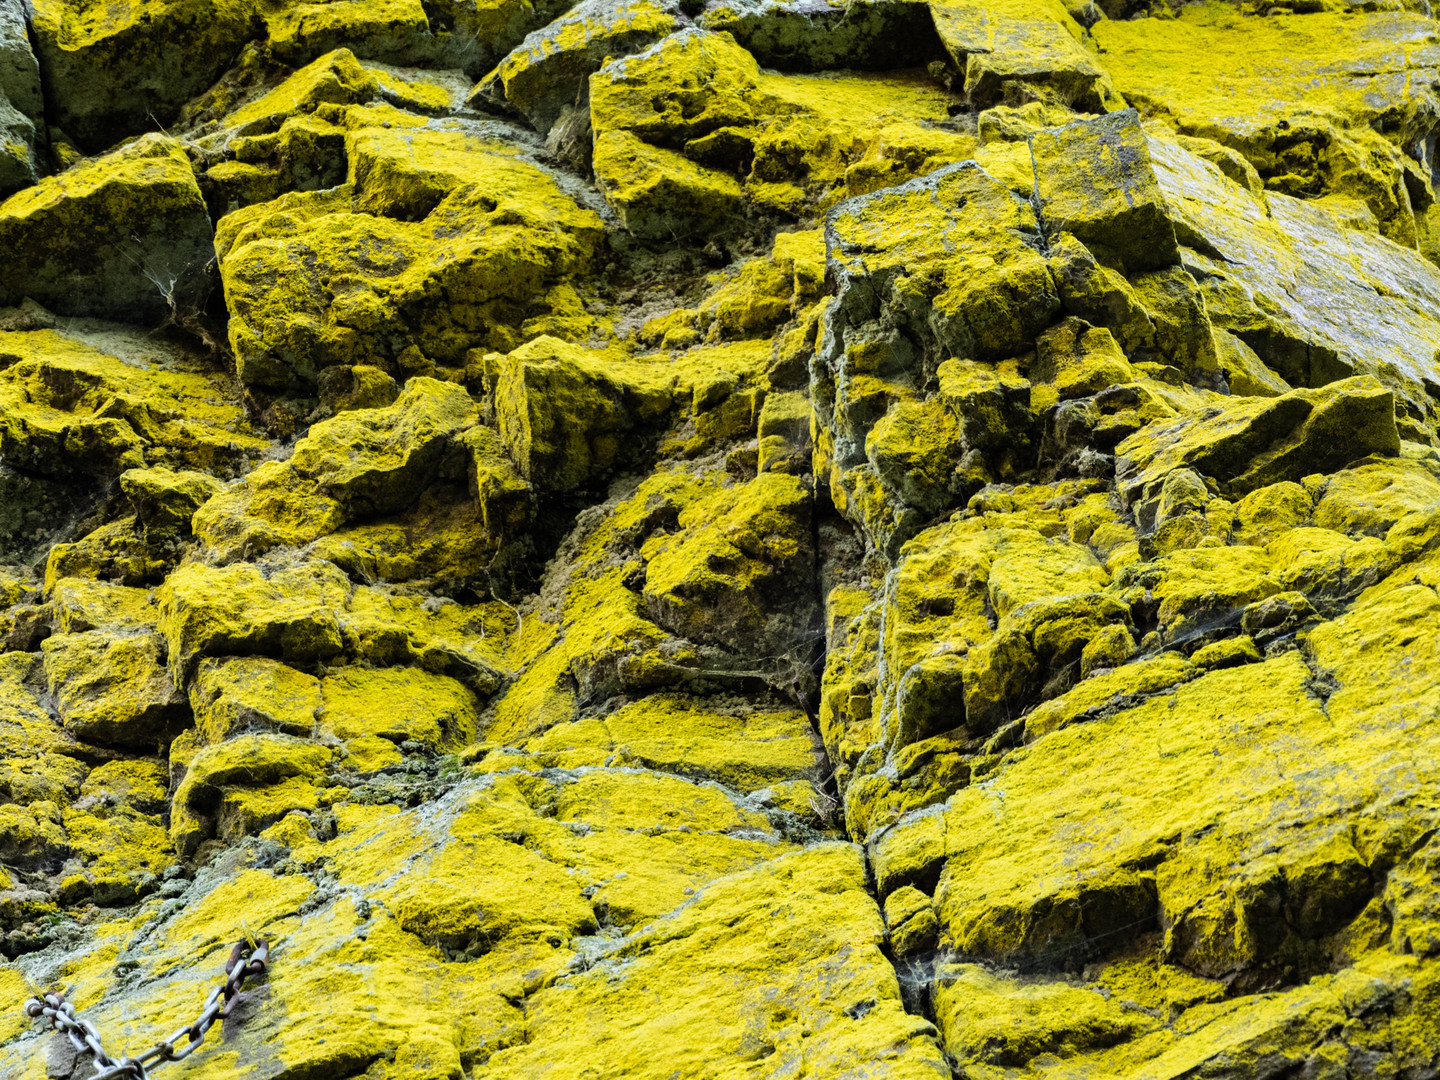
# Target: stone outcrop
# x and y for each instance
(651, 539)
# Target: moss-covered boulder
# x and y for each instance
(108, 403)
(1007, 49)
(112, 72)
(125, 236)
(800, 37)
(433, 211)
(545, 73)
(1321, 106)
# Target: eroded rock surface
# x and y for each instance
(754, 538)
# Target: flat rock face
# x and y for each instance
(762, 538)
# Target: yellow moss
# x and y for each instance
(573, 1022)
(680, 735)
(231, 697)
(488, 229)
(1370, 499)
(114, 690)
(417, 94)
(543, 75)
(17, 987)
(1310, 90)
(69, 406)
(298, 31)
(740, 547)
(107, 60)
(659, 194)
(399, 704)
(336, 78)
(1017, 50)
(562, 409)
(669, 118)
(237, 609)
(122, 852)
(998, 1022)
(81, 605)
(368, 753)
(247, 810)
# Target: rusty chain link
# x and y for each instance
(244, 961)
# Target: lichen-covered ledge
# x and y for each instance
(697, 540)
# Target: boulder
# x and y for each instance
(125, 236)
(1011, 48)
(548, 70)
(1094, 180)
(115, 71)
(22, 114)
(115, 689)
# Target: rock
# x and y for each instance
(904, 440)
(437, 710)
(995, 1022)
(1093, 179)
(738, 571)
(1261, 441)
(789, 144)
(682, 735)
(115, 690)
(910, 920)
(658, 193)
(165, 501)
(899, 256)
(561, 411)
(72, 406)
(785, 433)
(80, 605)
(294, 612)
(234, 696)
(806, 37)
(375, 461)
(547, 71)
(112, 72)
(448, 34)
(485, 226)
(844, 924)
(244, 762)
(133, 227)
(336, 78)
(1325, 105)
(21, 107)
(1367, 304)
(1006, 48)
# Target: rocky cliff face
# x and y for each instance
(761, 538)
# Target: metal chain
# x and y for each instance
(244, 961)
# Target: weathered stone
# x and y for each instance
(1004, 48)
(479, 224)
(115, 690)
(1341, 104)
(1259, 441)
(110, 72)
(22, 118)
(547, 70)
(293, 612)
(562, 412)
(791, 36)
(1093, 179)
(952, 258)
(1315, 301)
(125, 236)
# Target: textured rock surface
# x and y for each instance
(759, 538)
